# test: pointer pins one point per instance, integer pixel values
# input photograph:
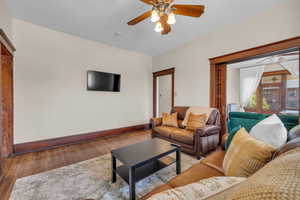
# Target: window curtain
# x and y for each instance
(292, 67)
(249, 81)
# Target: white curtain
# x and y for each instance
(291, 66)
(249, 81)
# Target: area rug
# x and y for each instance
(90, 179)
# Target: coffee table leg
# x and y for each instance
(178, 162)
(113, 169)
(132, 183)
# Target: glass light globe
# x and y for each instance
(171, 18)
(158, 27)
(154, 16)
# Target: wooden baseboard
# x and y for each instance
(73, 139)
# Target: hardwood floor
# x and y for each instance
(33, 163)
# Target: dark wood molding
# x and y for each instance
(6, 42)
(256, 51)
(218, 78)
(170, 71)
(279, 72)
(74, 139)
(6, 97)
(164, 72)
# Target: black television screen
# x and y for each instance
(102, 81)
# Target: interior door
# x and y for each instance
(164, 85)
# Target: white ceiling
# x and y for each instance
(100, 20)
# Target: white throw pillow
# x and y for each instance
(271, 131)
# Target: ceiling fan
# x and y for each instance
(163, 14)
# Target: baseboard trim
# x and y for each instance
(73, 139)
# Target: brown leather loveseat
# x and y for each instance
(198, 142)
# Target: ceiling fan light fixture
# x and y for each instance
(158, 27)
(171, 18)
(154, 16)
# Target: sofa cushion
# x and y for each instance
(164, 131)
(271, 131)
(169, 119)
(246, 155)
(183, 135)
(215, 160)
(196, 121)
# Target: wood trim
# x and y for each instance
(6, 42)
(256, 51)
(299, 87)
(74, 139)
(170, 71)
(164, 72)
(279, 72)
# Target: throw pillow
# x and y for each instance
(271, 131)
(169, 119)
(231, 135)
(199, 190)
(196, 121)
(246, 155)
(196, 110)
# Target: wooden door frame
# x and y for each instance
(6, 89)
(218, 79)
(6, 98)
(170, 71)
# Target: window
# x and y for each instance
(278, 92)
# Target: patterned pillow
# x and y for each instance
(246, 155)
(169, 119)
(196, 121)
(199, 190)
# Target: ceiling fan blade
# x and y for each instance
(188, 10)
(140, 18)
(165, 25)
(150, 2)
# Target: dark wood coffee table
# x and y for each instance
(143, 159)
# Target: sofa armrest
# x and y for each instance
(156, 121)
(224, 139)
(208, 130)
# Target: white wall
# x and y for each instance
(233, 86)
(51, 99)
(191, 60)
(5, 19)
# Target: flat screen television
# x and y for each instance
(102, 81)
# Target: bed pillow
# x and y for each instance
(246, 155)
(271, 131)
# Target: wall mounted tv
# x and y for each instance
(102, 81)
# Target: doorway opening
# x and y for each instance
(273, 93)
(163, 91)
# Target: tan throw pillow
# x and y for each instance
(246, 155)
(169, 119)
(196, 121)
